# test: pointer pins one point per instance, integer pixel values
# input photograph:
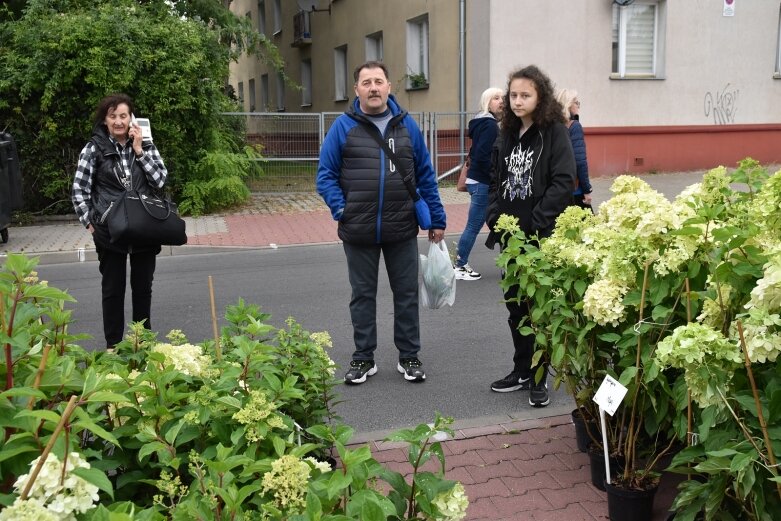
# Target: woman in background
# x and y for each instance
(571, 110)
(483, 130)
(115, 160)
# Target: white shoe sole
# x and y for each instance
(465, 276)
(370, 372)
(408, 377)
(523, 386)
(539, 404)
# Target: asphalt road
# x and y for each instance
(464, 347)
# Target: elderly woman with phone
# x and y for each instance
(117, 159)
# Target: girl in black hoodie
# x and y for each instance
(532, 179)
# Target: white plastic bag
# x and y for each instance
(439, 279)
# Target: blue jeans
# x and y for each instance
(474, 221)
(401, 262)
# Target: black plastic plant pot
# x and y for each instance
(582, 429)
(626, 504)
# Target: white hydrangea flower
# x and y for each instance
(187, 358)
(322, 466)
(323, 340)
(73, 495)
(287, 479)
(603, 302)
(452, 504)
(767, 293)
(28, 509)
(707, 357)
(762, 333)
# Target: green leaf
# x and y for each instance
(609, 338)
(150, 448)
(337, 482)
(97, 430)
(396, 480)
(6, 453)
(105, 396)
(171, 434)
(46, 292)
(49, 416)
(279, 445)
(627, 376)
(741, 461)
(369, 505)
(97, 478)
(722, 453)
(24, 392)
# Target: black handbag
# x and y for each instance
(145, 220)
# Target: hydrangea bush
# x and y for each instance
(238, 427)
(681, 302)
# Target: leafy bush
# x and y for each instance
(238, 427)
(680, 302)
(60, 58)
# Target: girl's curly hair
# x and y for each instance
(548, 110)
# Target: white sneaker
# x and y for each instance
(466, 272)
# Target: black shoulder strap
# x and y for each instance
(375, 134)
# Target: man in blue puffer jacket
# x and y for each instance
(376, 214)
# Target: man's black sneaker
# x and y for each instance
(538, 395)
(412, 369)
(512, 382)
(359, 370)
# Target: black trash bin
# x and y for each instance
(10, 182)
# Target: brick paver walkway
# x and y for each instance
(527, 470)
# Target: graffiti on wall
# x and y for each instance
(722, 105)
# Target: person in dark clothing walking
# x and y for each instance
(532, 179)
(366, 194)
(483, 130)
(117, 159)
(570, 103)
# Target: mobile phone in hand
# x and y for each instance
(144, 125)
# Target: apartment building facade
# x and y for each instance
(665, 85)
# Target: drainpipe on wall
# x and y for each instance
(462, 72)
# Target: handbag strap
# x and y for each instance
(375, 134)
(165, 202)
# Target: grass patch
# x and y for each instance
(285, 176)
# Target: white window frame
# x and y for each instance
(264, 92)
(251, 91)
(240, 94)
(262, 16)
(418, 49)
(374, 47)
(340, 73)
(656, 70)
(277, 17)
(306, 83)
(280, 92)
(777, 73)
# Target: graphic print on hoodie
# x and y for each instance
(518, 184)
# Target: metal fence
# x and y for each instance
(290, 145)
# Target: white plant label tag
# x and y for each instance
(610, 394)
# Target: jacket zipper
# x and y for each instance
(105, 214)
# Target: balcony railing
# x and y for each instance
(301, 32)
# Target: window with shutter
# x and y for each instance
(417, 52)
(638, 32)
(778, 48)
